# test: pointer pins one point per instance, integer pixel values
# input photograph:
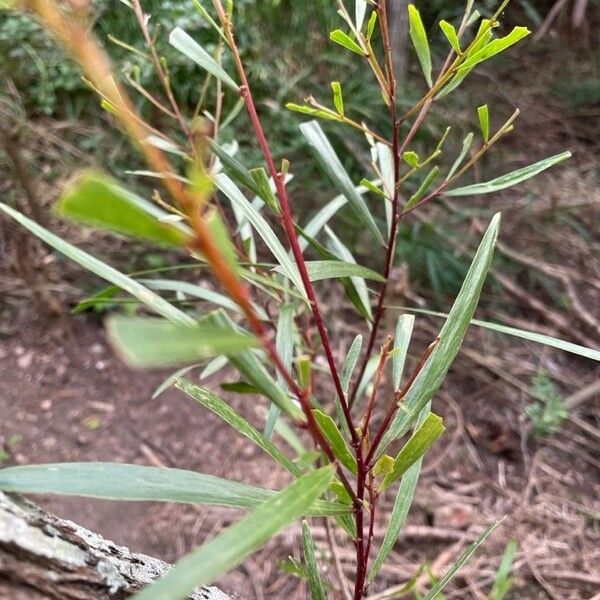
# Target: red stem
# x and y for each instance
(287, 219)
(398, 396)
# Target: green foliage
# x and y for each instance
(227, 212)
(548, 411)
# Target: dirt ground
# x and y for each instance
(66, 397)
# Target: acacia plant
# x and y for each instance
(266, 322)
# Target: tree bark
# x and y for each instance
(42, 556)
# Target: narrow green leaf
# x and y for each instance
(338, 99)
(419, 40)
(484, 35)
(315, 112)
(435, 369)
(238, 541)
(115, 481)
(357, 291)
(451, 35)
(386, 168)
(336, 269)
(284, 343)
(315, 585)
(200, 8)
(402, 504)
(170, 380)
(503, 581)
(464, 557)
(371, 25)
(220, 408)
(404, 328)
(494, 47)
(226, 185)
(484, 121)
(255, 372)
(195, 291)
(265, 192)
(150, 342)
(466, 146)
(336, 440)
(350, 362)
(321, 218)
(96, 199)
(345, 377)
(411, 159)
(333, 167)
(343, 39)
(235, 169)
(510, 179)
(422, 439)
(373, 188)
(531, 336)
(147, 297)
(323, 215)
(423, 188)
(183, 42)
(360, 10)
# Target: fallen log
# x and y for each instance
(43, 556)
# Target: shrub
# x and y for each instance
(258, 322)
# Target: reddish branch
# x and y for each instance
(286, 218)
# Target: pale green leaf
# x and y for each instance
(463, 558)
(147, 297)
(338, 99)
(423, 188)
(387, 170)
(404, 328)
(466, 146)
(350, 362)
(336, 269)
(336, 440)
(411, 158)
(171, 379)
(255, 372)
(315, 585)
(416, 447)
(284, 343)
(238, 541)
(531, 336)
(343, 39)
(226, 185)
(503, 581)
(494, 47)
(333, 167)
(321, 218)
(360, 10)
(510, 179)
(235, 169)
(402, 504)
(451, 35)
(418, 36)
(183, 42)
(96, 199)
(220, 408)
(433, 373)
(484, 121)
(371, 25)
(149, 342)
(360, 299)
